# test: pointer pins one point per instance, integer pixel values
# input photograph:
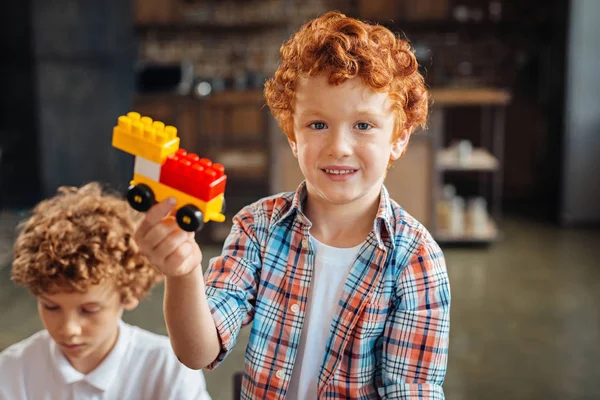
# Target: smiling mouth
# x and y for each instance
(339, 171)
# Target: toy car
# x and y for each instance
(162, 170)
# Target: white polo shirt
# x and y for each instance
(142, 366)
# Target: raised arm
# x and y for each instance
(187, 315)
(203, 320)
(232, 281)
(415, 349)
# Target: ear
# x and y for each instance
(294, 147)
(399, 145)
(130, 304)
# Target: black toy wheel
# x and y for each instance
(140, 197)
(189, 218)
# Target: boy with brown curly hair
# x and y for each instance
(348, 294)
(77, 256)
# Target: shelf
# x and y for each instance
(446, 238)
(475, 96)
(480, 160)
(211, 27)
(529, 27)
(242, 162)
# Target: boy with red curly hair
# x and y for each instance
(348, 295)
(77, 256)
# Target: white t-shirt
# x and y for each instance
(332, 266)
(142, 365)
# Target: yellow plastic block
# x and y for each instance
(140, 136)
(211, 210)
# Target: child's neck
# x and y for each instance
(341, 226)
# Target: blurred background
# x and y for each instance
(506, 175)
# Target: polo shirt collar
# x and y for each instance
(102, 377)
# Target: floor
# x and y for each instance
(525, 315)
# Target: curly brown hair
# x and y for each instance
(79, 238)
(345, 48)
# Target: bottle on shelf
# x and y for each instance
(478, 217)
(457, 216)
(444, 208)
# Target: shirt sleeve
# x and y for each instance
(11, 384)
(231, 282)
(415, 348)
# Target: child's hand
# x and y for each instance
(169, 248)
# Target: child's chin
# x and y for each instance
(339, 197)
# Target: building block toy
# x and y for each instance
(162, 170)
(140, 136)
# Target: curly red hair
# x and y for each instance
(345, 48)
(79, 238)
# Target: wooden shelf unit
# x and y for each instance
(479, 160)
(487, 159)
(230, 127)
(493, 234)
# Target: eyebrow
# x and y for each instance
(46, 299)
(89, 303)
(310, 112)
(372, 113)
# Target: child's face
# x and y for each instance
(344, 139)
(83, 325)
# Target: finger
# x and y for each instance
(159, 232)
(179, 257)
(175, 239)
(156, 214)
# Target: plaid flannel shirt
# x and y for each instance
(389, 338)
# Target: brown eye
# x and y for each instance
(90, 310)
(50, 308)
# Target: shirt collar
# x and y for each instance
(385, 219)
(382, 224)
(101, 377)
(298, 200)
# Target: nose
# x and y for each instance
(340, 143)
(70, 326)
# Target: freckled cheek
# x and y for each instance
(308, 155)
(367, 154)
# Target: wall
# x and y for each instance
(84, 52)
(581, 169)
(18, 146)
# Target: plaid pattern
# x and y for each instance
(389, 338)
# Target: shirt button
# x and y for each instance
(295, 308)
(280, 374)
(304, 243)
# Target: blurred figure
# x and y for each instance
(76, 255)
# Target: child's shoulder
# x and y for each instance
(155, 353)
(143, 341)
(270, 208)
(26, 351)
(408, 232)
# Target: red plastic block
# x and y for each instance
(193, 175)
